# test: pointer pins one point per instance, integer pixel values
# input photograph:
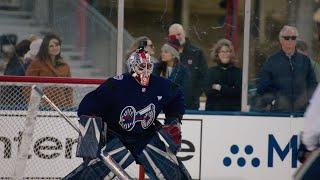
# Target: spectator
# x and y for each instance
(149, 47)
(7, 49)
(11, 97)
(49, 63)
(170, 66)
(223, 82)
(287, 76)
(192, 57)
(302, 47)
(15, 64)
(7, 41)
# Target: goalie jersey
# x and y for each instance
(130, 109)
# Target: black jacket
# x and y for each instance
(229, 97)
(15, 67)
(12, 97)
(193, 58)
(179, 75)
(289, 81)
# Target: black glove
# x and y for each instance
(303, 153)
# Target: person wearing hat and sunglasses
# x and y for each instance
(287, 76)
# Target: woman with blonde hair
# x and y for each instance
(223, 82)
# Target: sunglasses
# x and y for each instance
(289, 37)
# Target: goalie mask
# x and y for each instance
(140, 66)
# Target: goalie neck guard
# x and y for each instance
(140, 66)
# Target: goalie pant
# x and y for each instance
(158, 161)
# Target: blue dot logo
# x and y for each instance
(234, 149)
(248, 149)
(255, 162)
(241, 161)
(227, 161)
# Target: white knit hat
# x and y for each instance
(171, 50)
(34, 48)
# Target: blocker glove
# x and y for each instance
(175, 131)
(303, 152)
(172, 134)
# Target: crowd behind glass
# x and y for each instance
(285, 82)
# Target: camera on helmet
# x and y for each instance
(142, 45)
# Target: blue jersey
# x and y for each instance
(130, 109)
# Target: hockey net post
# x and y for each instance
(27, 135)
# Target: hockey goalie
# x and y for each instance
(129, 104)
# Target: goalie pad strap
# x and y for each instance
(93, 137)
(97, 168)
(159, 163)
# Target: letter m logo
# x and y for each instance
(273, 146)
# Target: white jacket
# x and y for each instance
(311, 130)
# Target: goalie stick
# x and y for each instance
(108, 160)
(79, 129)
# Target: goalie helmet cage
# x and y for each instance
(46, 149)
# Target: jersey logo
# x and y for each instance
(159, 98)
(118, 77)
(129, 117)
